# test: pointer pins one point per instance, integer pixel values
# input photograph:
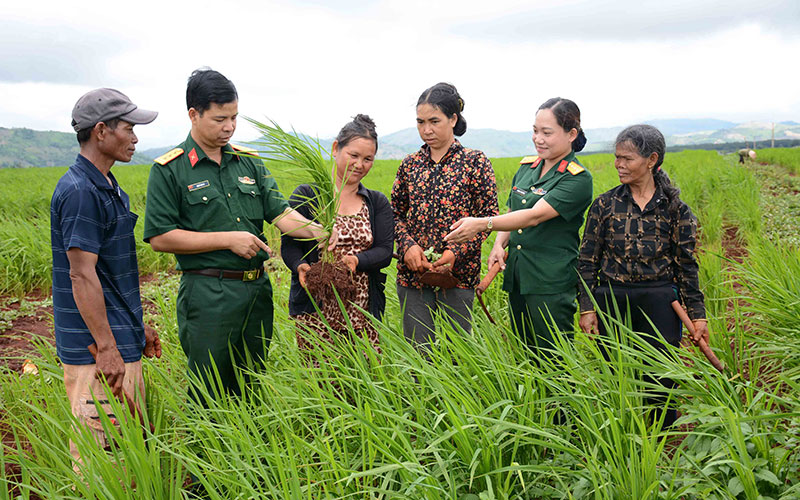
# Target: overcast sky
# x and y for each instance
(313, 63)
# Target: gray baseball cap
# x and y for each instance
(101, 105)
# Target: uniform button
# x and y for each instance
(519, 231)
(524, 201)
(238, 219)
(519, 247)
(205, 198)
(229, 195)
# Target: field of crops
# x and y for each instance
(476, 420)
(787, 157)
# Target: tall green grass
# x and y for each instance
(787, 157)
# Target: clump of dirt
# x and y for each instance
(322, 279)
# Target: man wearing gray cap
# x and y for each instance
(96, 303)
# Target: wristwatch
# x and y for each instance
(489, 224)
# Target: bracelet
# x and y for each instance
(587, 312)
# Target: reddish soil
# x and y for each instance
(16, 344)
(322, 278)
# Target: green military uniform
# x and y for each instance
(540, 276)
(227, 320)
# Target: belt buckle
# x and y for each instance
(250, 275)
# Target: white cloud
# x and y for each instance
(314, 64)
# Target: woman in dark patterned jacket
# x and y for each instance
(434, 187)
(638, 250)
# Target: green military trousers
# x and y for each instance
(221, 324)
(534, 316)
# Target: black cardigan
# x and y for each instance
(296, 252)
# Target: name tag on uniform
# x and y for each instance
(539, 191)
(519, 191)
(247, 180)
(198, 185)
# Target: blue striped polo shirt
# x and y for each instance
(87, 212)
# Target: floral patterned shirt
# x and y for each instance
(427, 197)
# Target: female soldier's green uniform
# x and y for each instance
(540, 276)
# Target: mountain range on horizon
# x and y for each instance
(21, 147)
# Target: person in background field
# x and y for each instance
(745, 154)
(548, 198)
(638, 250)
(434, 187)
(207, 203)
(366, 236)
(95, 273)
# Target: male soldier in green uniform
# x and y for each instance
(207, 203)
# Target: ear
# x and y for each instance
(99, 130)
(194, 115)
(572, 134)
(652, 160)
(453, 120)
(335, 149)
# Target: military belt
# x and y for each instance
(227, 274)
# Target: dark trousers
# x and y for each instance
(222, 323)
(645, 300)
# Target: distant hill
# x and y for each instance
(23, 147)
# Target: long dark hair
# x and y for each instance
(362, 126)
(445, 98)
(568, 117)
(647, 139)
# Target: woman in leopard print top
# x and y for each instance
(366, 236)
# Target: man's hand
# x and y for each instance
(152, 344)
(245, 244)
(415, 259)
(351, 261)
(111, 367)
(588, 323)
(445, 263)
(700, 331)
(302, 269)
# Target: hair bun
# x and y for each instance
(364, 120)
(580, 142)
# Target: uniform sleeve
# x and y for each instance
(400, 206)
(572, 195)
(687, 270)
(484, 196)
(590, 254)
(274, 201)
(82, 220)
(294, 251)
(379, 255)
(162, 210)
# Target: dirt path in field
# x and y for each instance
(25, 320)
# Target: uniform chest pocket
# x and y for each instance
(251, 201)
(205, 210)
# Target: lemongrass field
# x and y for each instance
(475, 421)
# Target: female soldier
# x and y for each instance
(365, 229)
(638, 247)
(549, 195)
(434, 187)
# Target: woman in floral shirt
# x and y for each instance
(436, 186)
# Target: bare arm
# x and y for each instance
(88, 294)
(292, 223)
(466, 228)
